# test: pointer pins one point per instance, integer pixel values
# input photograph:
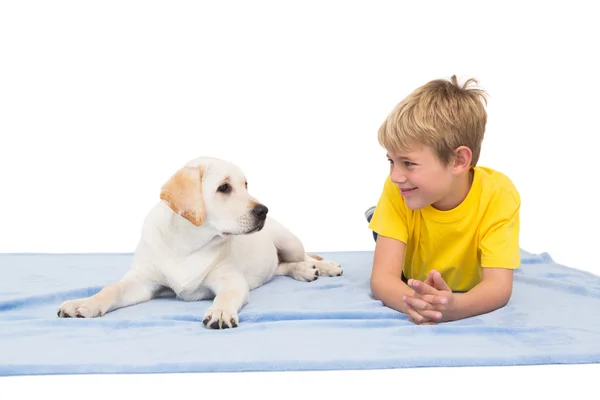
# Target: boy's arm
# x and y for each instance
(386, 284)
(500, 256)
(390, 223)
(493, 292)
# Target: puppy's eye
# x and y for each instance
(224, 188)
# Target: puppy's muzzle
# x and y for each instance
(260, 212)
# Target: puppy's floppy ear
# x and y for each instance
(183, 193)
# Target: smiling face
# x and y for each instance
(214, 192)
(424, 180)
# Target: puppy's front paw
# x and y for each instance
(329, 268)
(220, 318)
(80, 308)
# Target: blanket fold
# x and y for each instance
(331, 323)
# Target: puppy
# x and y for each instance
(206, 238)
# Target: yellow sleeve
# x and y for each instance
(389, 218)
(499, 244)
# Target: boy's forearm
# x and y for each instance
(485, 297)
(389, 290)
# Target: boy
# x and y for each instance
(446, 230)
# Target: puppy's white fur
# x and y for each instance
(207, 238)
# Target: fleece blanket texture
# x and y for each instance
(331, 323)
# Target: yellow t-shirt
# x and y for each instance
(483, 231)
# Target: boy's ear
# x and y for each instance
(462, 159)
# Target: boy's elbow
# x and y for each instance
(505, 298)
(375, 285)
(498, 287)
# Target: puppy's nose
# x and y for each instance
(260, 211)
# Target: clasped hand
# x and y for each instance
(431, 299)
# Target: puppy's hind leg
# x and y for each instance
(309, 269)
(301, 270)
(325, 267)
(132, 289)
(295, 263)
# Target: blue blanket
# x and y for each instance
(331, 323)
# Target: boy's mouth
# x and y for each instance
(405, 192)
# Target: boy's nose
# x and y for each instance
(397, 176)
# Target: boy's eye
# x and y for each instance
(408, 163)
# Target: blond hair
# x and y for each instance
(440, 114)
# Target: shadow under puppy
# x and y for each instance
(207, 238)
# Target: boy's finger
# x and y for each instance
(438, 301)
(417, 304)
(422, 323)
(429, 279)
(423, 288)
(426, 317)
(439, 283)
(431, 315)
(414, 315)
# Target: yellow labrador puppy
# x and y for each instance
(207, 238)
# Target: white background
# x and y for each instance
(100, 102)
